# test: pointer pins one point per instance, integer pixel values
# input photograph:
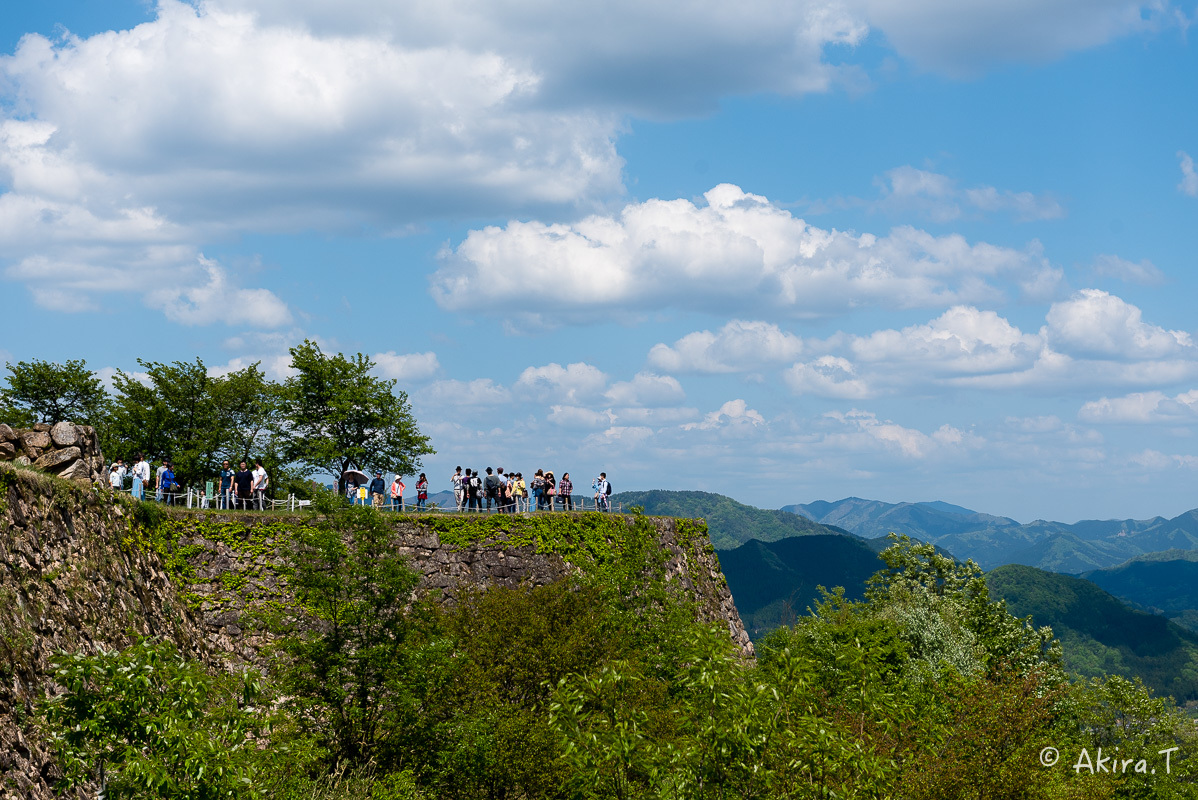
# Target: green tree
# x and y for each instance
(337, 415)
(350, 671)
(152, 724)
(44, 391)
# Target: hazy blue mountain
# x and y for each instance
(992, 541)
(729, 523)
(1099, 633)
(1164, 583)
(775, 582)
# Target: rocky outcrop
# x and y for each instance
(64, 449)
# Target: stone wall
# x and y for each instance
(68, 583)
(64, 449)
(76, 575)
(236, 559)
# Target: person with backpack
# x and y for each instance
(475, 489)
(491, 489)
(538, 490)
(168, 484)
(602, 493)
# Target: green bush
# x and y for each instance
(152, 724)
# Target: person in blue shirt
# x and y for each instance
(226, 487)
(378, 490)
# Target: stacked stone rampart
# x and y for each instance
(64, 449)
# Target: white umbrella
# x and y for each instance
(355, 476)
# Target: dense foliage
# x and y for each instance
(606, 686)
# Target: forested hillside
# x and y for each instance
(729, 523)
(1100, 634)
(775, 583)
(1164, 583)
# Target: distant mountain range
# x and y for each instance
(994, 541)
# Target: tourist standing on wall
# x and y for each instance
(158, 481)
(491, 488)
(397, 487)
(474, 488)
(243, 487)
(260, 482)
(226, 487)
(421, 493)
(550, 489)
(564, 490)
(167, 484)
(459, 494)
(378, 491)
(141, 477)
(521, 493)
(602, 493)
(538, 489)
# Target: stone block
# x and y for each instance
(7, 451)
(64, 434)
(79, 472)
(7, 434)
(42, 427)
(56, 460)
(22, 461)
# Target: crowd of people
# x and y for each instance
(243, 488)
(510, 493)
(496, 491)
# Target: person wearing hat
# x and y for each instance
(377, 490)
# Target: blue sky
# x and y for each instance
(782, 251)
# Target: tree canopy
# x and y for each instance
(45, 391)
(337, 415)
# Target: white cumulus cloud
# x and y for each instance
(407, 366)
(1096, 324)
(739, 346)
(572, 384)
(217, 299)
(962, 340)
(939, 198)
(1189, 178)
(737, 252)
(646, 389)
(827, 376)
(963, 39)
(1142, 407)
